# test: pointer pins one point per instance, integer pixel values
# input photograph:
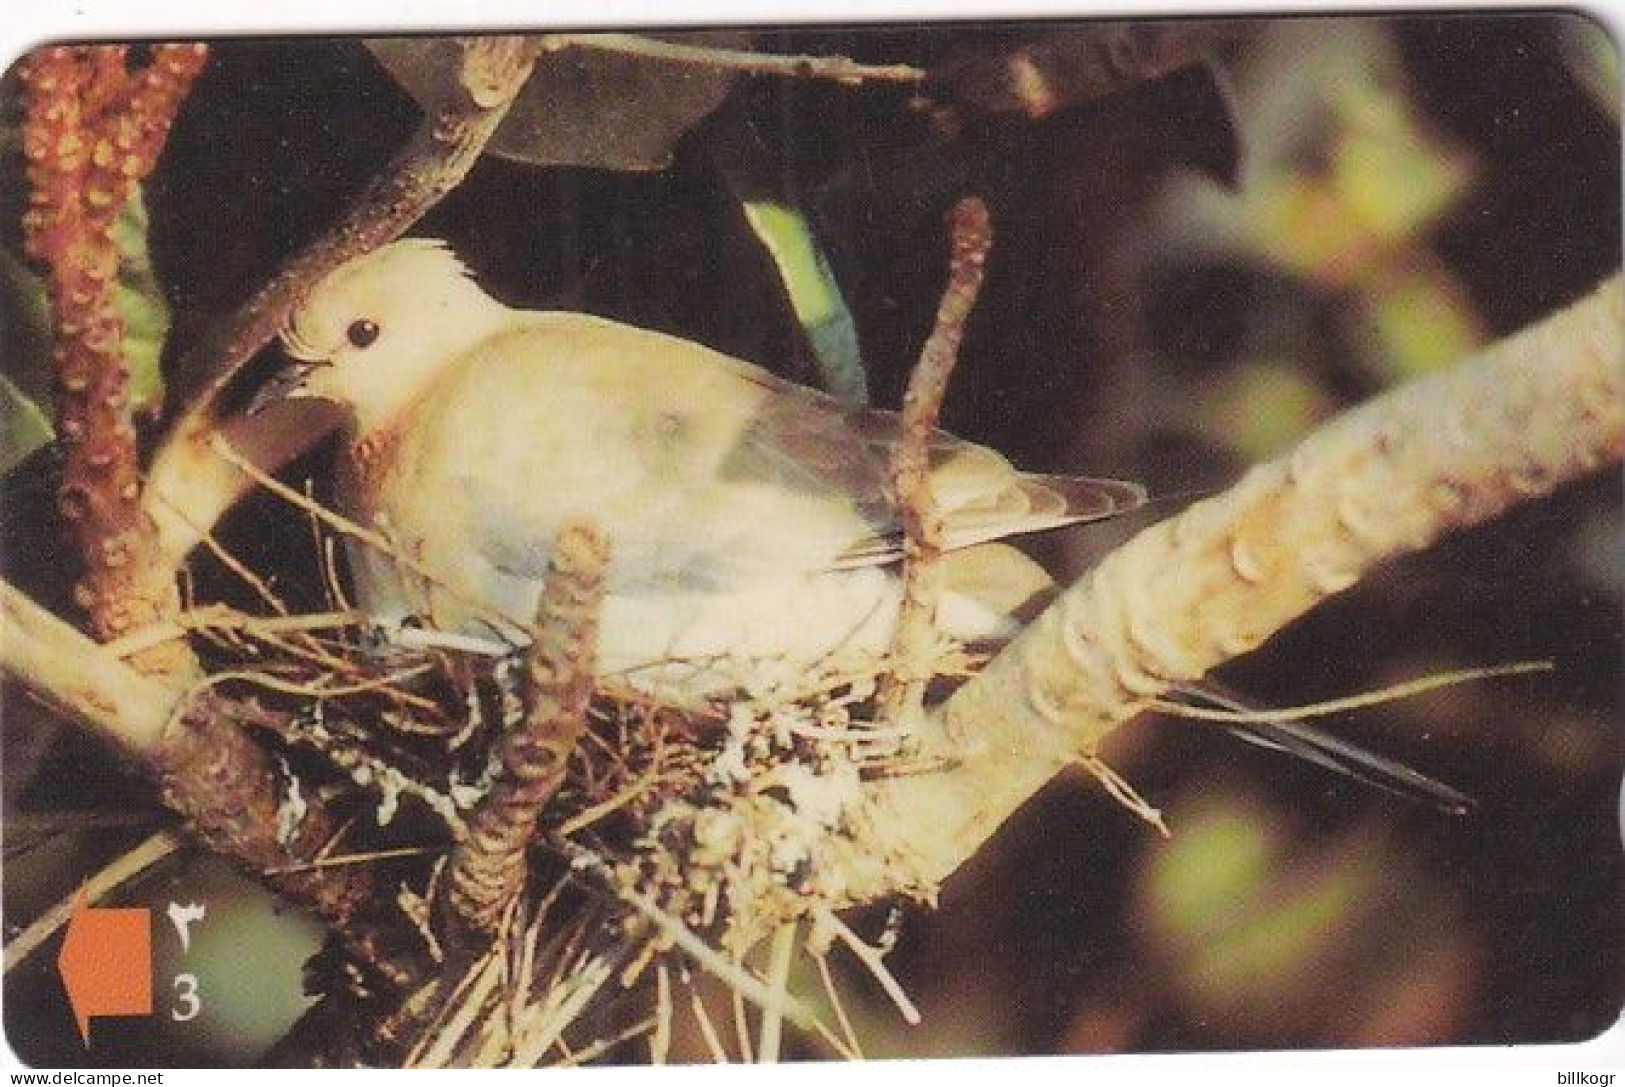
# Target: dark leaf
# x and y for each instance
(601, 109)
(25, 363)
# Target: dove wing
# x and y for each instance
(811, 442)
(735, 472)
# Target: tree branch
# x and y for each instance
(488, 869)
(92, 128)
(839, 69)
(81, 680)
(212, 772)
(189, 487)
(1530, 413)
(914, 646)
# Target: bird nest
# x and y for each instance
(691, 845)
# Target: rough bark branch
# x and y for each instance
(914, 645)
(189, 487)
(488, 869)
(92, 128)
(1530, 413)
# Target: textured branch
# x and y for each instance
(488, 869)
(1390, 477)
(189, 487)
(79, 679)
(211, 772)
(92, 128)
(914, 645)
(218, 778)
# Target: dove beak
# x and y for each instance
(289, 383)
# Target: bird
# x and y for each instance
(751, 521)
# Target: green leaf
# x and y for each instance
(140, 304)
(25, 363)
(814, 295)
(1415, 322)
(1262, 407)
(23, 426)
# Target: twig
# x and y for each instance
(488, 868)
(222, 617)
(706, 957)
(125, 868)
(914, 645)
(590, 815)
(800, 66)
(458, 1013)
(348, 858)
(871, 958)
(574, 992)
(778, 978)
(307, 690)
(708, 1029)
(821, 958)
(1124, 793)
(736, 997)
(660, 1037)
(232, 563)
(1393, 693)
(326, 548)
(597, 1049)
(445, 146)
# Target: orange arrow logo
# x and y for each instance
(106, 963)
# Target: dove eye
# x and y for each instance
(362, 333)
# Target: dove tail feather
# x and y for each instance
(1081, 498)
(1035, 503)
(1024, 503)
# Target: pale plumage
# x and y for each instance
(748, 517)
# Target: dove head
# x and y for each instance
(378, 329)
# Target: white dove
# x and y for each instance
(749, 519)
